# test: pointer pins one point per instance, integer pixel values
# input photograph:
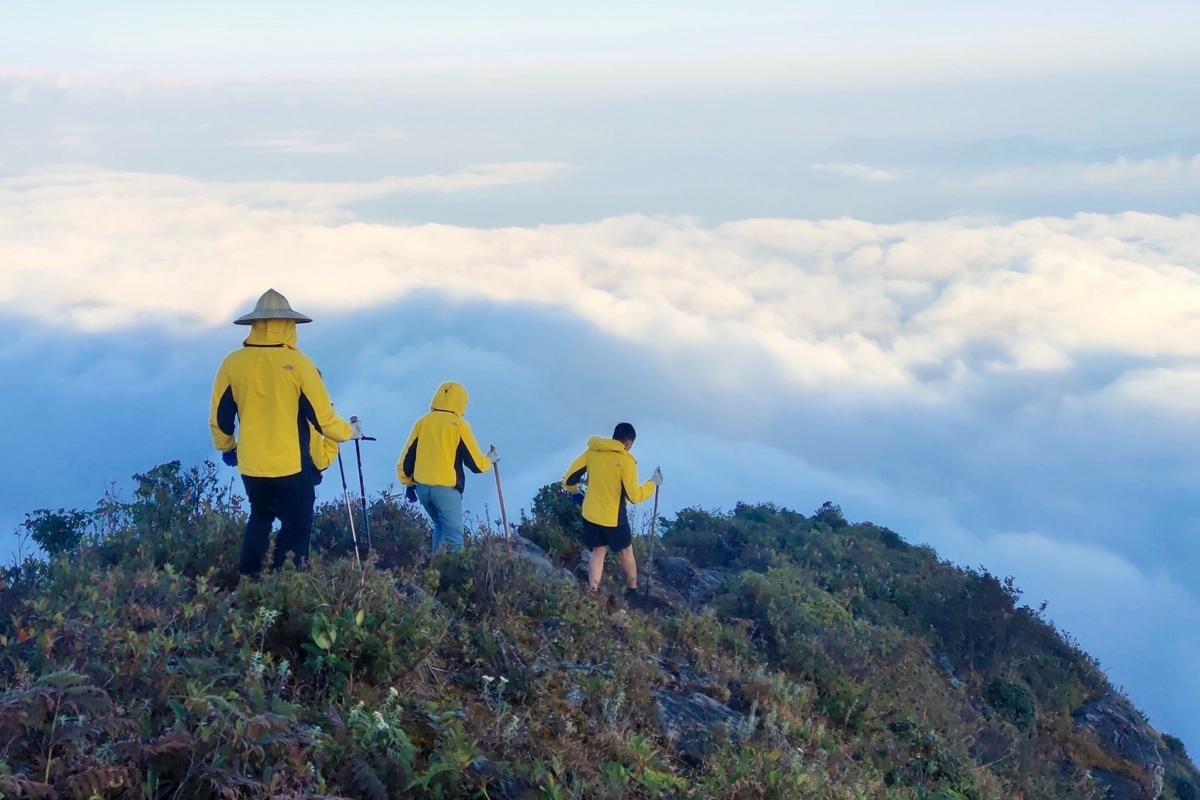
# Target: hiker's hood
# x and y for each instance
(269, 332)
(451, 396)
(602, 444)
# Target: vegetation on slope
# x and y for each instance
(778, 655)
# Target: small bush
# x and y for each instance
(556, 524)
(337, 623)
(399, 534)
(1012, 701)
(1175, 745)
(58, 531)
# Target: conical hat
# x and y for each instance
(272, 305)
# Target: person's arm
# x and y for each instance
(629, 478)
(324, 451)
(407, 463)
(574, 474)
(316, 405)
(222, 415)
(469, 451)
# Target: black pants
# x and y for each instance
(290, 500)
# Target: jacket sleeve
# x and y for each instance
(324, 418)
(324, 451)
(223, 411)
(629, 480)
(406, 464)
(476, 461)
(574, 474)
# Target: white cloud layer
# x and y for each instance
(912, 308)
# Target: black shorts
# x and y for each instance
(615, 538)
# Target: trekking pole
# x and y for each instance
(650, 540)
(362, 489)
(349, 508)
(500, 494)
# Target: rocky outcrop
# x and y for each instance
(674, 581)
(1123, 733)
(412, 594)
(695, 724)
(536, 557)
(695, 586)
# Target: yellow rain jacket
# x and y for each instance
(274, 397)
(612, 480)
(441, 443)
(322, 451)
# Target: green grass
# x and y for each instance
(135, 664)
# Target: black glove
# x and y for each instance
(230, 457)
(577, 499)
(410, 494)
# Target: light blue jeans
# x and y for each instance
(444, 506)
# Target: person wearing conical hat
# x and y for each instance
(268, 403)
(431, 464)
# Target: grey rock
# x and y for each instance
(1116, 786)
(695, 724)
(695, 586)
(947, 666)
(1123, 732)
(675, 570)
(411, 593)
(536, 557)
(581, 567)
(674, 583)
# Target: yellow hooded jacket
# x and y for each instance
(612, 480)
(441, 443)
(274, 397)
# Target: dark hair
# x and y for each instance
(624, 432)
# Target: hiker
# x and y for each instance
(274, 399)
(612, 479)
(431, 464)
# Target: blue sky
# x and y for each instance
(938, 264)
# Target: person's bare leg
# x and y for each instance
(629, 567)
(596, 567)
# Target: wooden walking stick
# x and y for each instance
(500, 494)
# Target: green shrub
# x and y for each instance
(399, 533)
(556, 524)
(337, 623)
(830, 516)
(1175, 745)
(1182, 783)
(58, 531)
(1012, 701)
